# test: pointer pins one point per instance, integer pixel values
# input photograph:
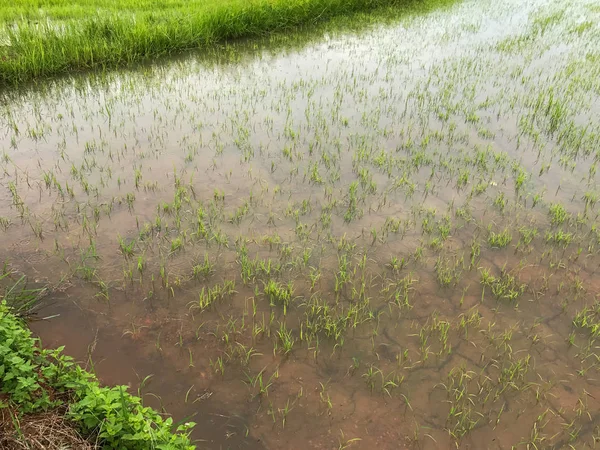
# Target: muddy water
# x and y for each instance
(379, 174)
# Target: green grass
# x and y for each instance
(44, 38)
(22, 300)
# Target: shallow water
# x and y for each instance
(316, 164)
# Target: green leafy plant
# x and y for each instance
(31, 378)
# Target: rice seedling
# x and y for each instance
(284, 412)
(500, 239)
(448, 272)
(127, 249)
(345, 443)
(558, 214)
(218, 365)
(589, 319)
(397, 265)
(204, 269)
(559, 238)
(257, 382)
(370, 376)
(504, 287)
(286, 339)
(177, 244)
(279, 294)
(207, 297)
(246, 354)
(526, 236)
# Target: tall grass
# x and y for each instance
(21, 299)
(111, 37)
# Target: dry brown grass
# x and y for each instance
(42, 431)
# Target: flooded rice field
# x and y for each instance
(386, 238)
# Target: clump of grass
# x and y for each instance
(204, 269)
(22, 300)
(353, 211)
(208, 296)
(260, 384)
(396, 264)
(500, 239)
(286, 339)
(176, 244)
(504, 287)
(526, 235)
(589, 319)
(559, 237)
(127, 249)
(558, 214)
(448, 271)
(279, 294)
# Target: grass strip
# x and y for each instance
(115, 36)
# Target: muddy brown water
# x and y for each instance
(416, 139)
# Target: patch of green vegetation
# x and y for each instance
(31, 377)
(558, 214)
(279, 294)
(589, 319)
(504, 287)
(500, 239)
(48, 38)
